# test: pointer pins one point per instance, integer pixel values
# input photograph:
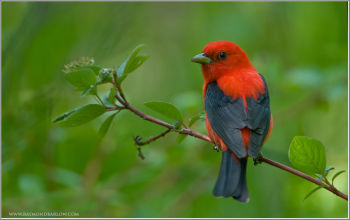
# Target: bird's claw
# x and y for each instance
(216, 148)
(258, 160)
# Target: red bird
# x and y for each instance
(238, 117)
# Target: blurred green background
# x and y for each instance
(300, 48)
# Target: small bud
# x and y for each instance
(177, 125)
(138, 140)
(105, 75)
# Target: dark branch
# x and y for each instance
(167, 125)
(140, 153)
(139, 142)
(303, 175)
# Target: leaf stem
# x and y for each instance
(100, 101)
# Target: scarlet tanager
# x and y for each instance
(238, 117)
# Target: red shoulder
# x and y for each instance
(246, 84)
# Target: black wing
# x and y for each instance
(259, 116)
(227, 117)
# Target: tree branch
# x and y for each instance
(303, 175)
(187, 131)
(167, 125)
(138, 139)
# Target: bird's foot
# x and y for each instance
(216, 148)
(258, 159)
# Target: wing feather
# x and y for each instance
(259, 116)
(227, 117)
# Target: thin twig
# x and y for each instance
(151, 139)
(120, 100)
(121, 93)
(140, 153)
(167, 125)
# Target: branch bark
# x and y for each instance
(139, 142)
(187, 131)
(303, 175)
(167, 125)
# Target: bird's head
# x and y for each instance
(222, 57)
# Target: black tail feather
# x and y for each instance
(232, 178)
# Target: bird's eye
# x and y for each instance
(222, 55)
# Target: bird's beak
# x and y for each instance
(201, 58)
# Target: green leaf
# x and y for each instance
(105, 125)
(81, 115)
(165, 109)
(194, 119)
(94, 68)
(63, 116)
(314, 190)
(129, 63)
(107, 79)
(92, 90)
(109, 99)
(180, 138)
(85, 92)
(326, 171)
(336, 175)
(308, 155)
(82, 78)
(138, 61)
